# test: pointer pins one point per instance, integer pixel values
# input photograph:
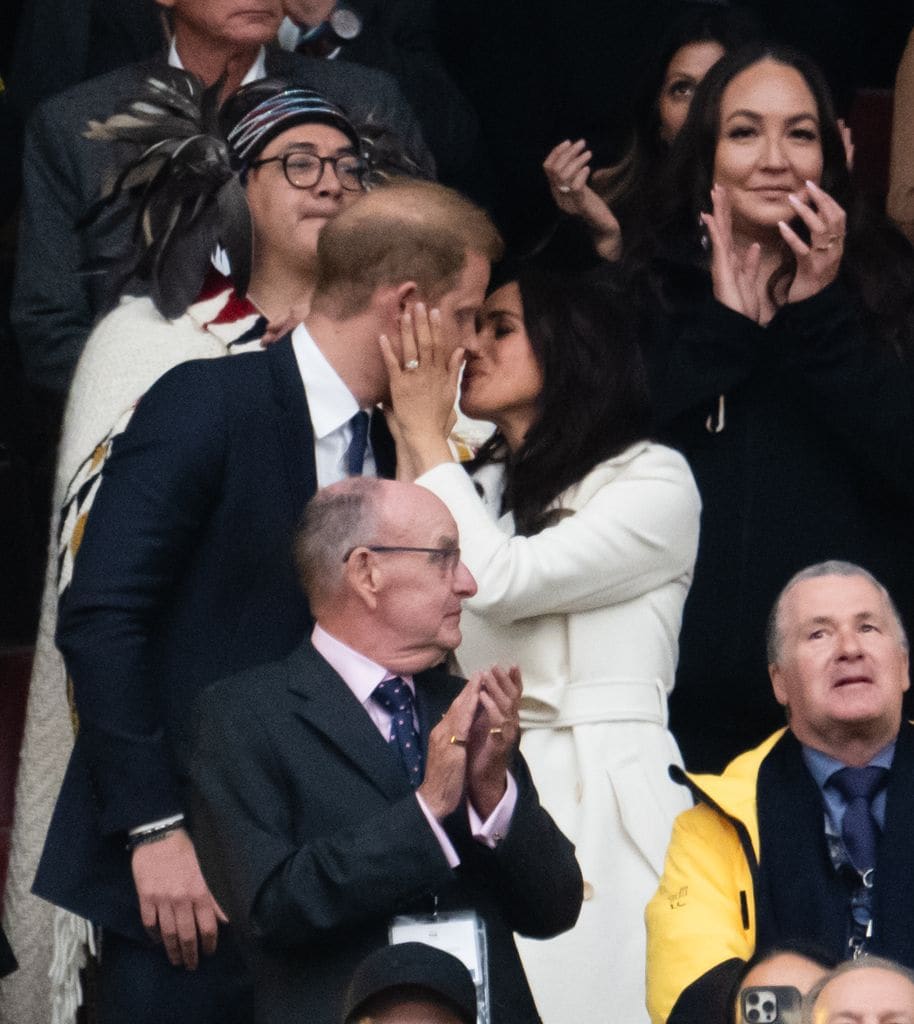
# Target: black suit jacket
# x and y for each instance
(310, 835)
(184, 576)
(55, 301)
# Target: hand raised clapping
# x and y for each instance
(568, 170)
(470, 749)
(734, 271)
(818, 262)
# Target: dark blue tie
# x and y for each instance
(860, 830)
(397, 699)
(355, 454)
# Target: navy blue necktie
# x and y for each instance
(860, 830)
(355, 453)
(397, 699)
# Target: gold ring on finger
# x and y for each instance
(496, 731)
(564, 189)
(412, 364)
(823, 248)
(456, 741)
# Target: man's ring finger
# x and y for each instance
(456, 741)
(564, 189)
(412, 364)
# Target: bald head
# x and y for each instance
(380, 562)
(337, 519)
(406, 230)
(865, 991)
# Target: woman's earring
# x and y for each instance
(703, 236)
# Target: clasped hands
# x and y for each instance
(735, 271)
(471, 748)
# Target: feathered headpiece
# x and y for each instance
(183, 188)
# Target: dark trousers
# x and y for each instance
(137, 985)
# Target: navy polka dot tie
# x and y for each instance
(397, 699)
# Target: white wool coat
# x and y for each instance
(590, 609)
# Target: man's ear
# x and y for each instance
(777, 684)
(407, 295)
(363, 576)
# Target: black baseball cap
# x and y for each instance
(413, 965)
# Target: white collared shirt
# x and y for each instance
(255, 72)
(331, 406)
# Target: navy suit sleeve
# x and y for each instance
(156, 490)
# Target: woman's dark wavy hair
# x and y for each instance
(731, 28)
(878, 260)
(594, 401)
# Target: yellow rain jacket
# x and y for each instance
(703, 913)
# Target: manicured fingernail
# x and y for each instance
(382, 339)
(420, 308)
(794, 199)
(435, 315)
(811, 184)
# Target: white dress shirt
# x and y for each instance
(255, 72)
(331, 405)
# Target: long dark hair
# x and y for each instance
(878, 262)
(594, 400)
(621, 184)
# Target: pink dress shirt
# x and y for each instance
(362, 675)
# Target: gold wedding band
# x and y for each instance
(497, 731)
(456, 741)
(413, 364)
(823, 248)
(564, 189)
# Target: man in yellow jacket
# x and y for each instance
(808, 837)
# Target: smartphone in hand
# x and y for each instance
(770, 1004)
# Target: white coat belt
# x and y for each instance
(598, 700)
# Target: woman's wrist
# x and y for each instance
(424, 452)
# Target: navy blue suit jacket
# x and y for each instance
(184, 576)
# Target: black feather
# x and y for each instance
(176, 182)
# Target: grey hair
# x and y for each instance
(846, 967)
(337, 519)
(834, 567)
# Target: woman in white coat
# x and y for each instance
(582, 535)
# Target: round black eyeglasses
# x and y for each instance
(305, 170)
